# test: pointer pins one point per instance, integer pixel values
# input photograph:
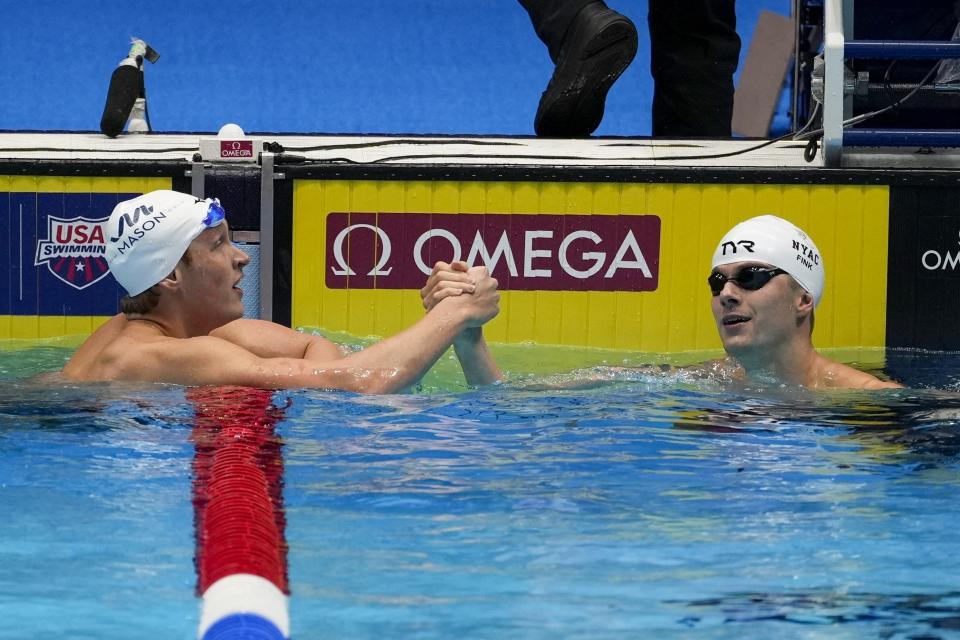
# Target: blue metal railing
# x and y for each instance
(901, 49)
(901, 137)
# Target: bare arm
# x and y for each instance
(385, 367)
(479, 367)
(454, 280)
(208, 360)
(877, 383)
(873, 382)
(271, 340)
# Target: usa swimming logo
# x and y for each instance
(74, 250)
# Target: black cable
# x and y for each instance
(276, 147)
(888, 90)
(389, 159)
(424, 156)
(728, 154)
(866, 116)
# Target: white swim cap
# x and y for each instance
(776, 242)
(147, 236)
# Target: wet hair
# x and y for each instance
(145, 301)
(142, 302)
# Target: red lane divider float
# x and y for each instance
(241, 555)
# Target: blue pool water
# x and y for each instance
(640, 506)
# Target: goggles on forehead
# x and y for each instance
(215, 213)
(748, 278)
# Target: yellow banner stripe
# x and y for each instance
(849, 224)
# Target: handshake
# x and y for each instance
(471, 289)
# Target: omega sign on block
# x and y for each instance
(236, 148)
(524, 252)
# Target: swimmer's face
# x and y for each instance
(752, 318)
(213, 276)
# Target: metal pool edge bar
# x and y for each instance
(596, 243)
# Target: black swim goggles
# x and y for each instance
(748, 278)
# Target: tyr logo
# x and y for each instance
(731, 247)
(141, 210)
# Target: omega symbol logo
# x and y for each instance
(378, 269)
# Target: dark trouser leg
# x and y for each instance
(694, 49)
(551, 18)
(590, 46)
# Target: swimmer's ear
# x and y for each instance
(172, 281)
(805, 305)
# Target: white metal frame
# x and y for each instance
(837, 22)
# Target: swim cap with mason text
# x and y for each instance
(147, 236)
(776, 242)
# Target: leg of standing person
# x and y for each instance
(590, 45)
(694, 50)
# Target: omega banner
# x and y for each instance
(524, 252)
(619, 266)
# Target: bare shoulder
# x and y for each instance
(271, 340)
(188, 361)
(90, 351)
(840, 376)
(130, 354)
(719, 369)
(121, 357)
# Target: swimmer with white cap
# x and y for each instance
(767, 277)
(182, 320)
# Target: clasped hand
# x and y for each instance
(452, 281)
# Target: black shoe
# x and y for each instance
(598, 46)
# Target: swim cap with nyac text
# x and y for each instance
(777, 242)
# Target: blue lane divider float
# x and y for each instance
(243, 625)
